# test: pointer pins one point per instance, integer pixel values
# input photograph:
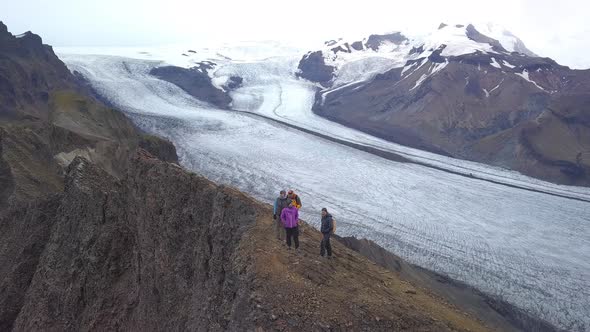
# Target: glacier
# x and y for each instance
(521, 239)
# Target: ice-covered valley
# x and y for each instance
(531, 249)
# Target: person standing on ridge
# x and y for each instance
(295, 198)
(290, 219)
(281, 203)
(326, 228)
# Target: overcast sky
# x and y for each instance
(557, 29)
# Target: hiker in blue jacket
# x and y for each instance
(281, 203)
(327, 228)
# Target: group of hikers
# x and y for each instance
(286, 222)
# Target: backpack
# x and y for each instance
(333, 225)
(296, 201)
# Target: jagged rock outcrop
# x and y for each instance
(313, 67)
(156, 251)
(29, 71)
(48, 117)
(25, 229)
(233, 83)
(375, 41)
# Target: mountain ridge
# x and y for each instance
(480, 103)
(47, 118)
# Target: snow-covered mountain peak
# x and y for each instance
(456, 38)
(508, 40)
(459, 39)
(364, 58)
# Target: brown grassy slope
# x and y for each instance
(302, 291)
(164, 249)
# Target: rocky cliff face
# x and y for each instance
(313, 67)
(29, 71)
(47, 118)
(157, 251)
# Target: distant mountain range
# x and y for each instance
(467, 92)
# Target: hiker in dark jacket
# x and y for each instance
(290, 219)
(281, 203)
(326, 229)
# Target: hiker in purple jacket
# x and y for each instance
(290, 219)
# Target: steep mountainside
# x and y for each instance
(461, 93)
(494, 312)
(29, 71)
(163, 249)
(47, 118)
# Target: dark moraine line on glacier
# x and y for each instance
(398, 158)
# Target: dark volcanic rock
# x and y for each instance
(24, 233)
(375, 41)
(357, 45)
(436, 56)
(312, 67)
(6, 177)
(234, 82)
(195, 82)
(29, 71)
(416, 50)
(341, 48)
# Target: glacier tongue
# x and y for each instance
(526, 247)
